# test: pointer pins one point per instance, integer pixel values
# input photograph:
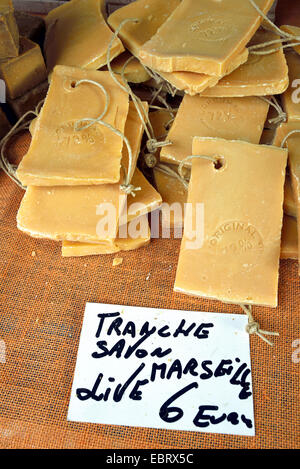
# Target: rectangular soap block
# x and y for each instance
(9, 34)
(77, 35)
(76, 249)
(61, 155)
(4, 124)
(29, 100)
(289, 238)
(261, 75)
(228, 118)
(239, 258)
(204, 36)
(291, 98)
(24, 72)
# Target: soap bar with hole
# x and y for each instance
(229, 118)
(24, 72)
(4, 124)
(77, 35)
(291, 98)
(289, 238)
(76, 249)
(29, 100)
(293, 145)
(295, 31)
(239, 258)
(261, 75)
(134, 72)
(203, 36)
(9, 34)
(61, 155)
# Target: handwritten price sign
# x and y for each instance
(177, 370)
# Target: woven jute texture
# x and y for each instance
(42, 299)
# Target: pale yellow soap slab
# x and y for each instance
(295, 31)
(76, 249)
(60, 155)
(204, 36)
(77, 35)
(291, 98)
(134, 72)
(261, 75)
(229, 118)
(239, 258)
(289, 238)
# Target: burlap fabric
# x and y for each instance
(42, 300)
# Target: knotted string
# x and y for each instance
(282, 117)
(285, 37)
(19, 126)
(126, 187)
(253, 326)
(292, 132)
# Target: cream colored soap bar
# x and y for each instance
(295, 31)
(204, 36)
(73, 249)
(9, 34)
(289, 238)
(24, 72)
(290, 206)
(78, 35)
(134, 72)
(291, 98)
(239, 258)
(61, 155)
(229, 118)
(261, 75)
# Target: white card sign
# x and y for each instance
(157, 368)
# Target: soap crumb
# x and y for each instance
(33, 253)
(117, 261)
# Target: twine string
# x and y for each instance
(253, 326)
(282, 117)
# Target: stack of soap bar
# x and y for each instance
(291, 98)
(289, 238)
(209, 36)
(239, 258)
(229, 118)
(9, 34)
(261, 75)
(4, 124)
(150, 17)
(58, 153)
(78, 35)
(24, 72)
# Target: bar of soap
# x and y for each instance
(289, 238)
(291, 98)
(134, 71)
(30, 26)
(29, 100)
(204, 36)
(24, 72)
(289, 206)
(229, 118)
(76, 249)
(239, 258)
(295, 31)
(293, 145)
(174, 196)
(261, 75)
(4, 124)
(77, 35)
(9, 34)
(60, 155)
(150, 15)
